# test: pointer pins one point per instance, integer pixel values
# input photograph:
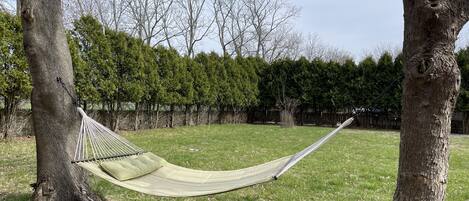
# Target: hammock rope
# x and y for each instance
(96, 142)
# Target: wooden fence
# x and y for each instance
(366, 120)
(148, 120)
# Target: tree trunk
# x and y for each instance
(302, 117)
(157, 115)
(197, 121)
(209, 113)
(171, 118)
(55, 119)
(465, 122)
(18, 8)
(286, 118)
(9, 114)
(136, 120)
(431, 86)
(221, 114)
(188, 115)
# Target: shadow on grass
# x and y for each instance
(15, 196)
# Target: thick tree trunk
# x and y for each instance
(55, 119)
(431, 86)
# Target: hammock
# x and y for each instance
(96, 144)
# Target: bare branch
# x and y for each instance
(194, 24)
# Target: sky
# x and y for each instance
(357, 26)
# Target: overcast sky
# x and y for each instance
(357, 26)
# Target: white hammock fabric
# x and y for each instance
(97, 143)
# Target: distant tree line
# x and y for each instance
(114, 70)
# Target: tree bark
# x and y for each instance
(431, 86)
(55, 119)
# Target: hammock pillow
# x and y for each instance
(132, 167)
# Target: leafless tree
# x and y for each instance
(379, 50)
(8, 6)
(194, 23)
(238, 29)
(110, 13)
(150, 18)
(222, 10)
(313, 48)
(266, 17)
(170, 29)
(285, 43)
(337, 55)
(74, 9)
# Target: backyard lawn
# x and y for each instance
(355, 165)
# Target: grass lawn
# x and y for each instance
(355, 165)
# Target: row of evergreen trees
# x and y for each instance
(113, 69)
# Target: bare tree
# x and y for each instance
(74, 9)
(150, 19)
(110, 13)
(18, 8)
(285, 43)
(379, 50)
(54, 115)
(238, 27)
(169, 26)
(222, 10)
(266, 17)
(431, 86)
(194, 23)
(337, 55)
(313, 47)
(8, 6)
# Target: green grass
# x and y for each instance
(355, 165)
